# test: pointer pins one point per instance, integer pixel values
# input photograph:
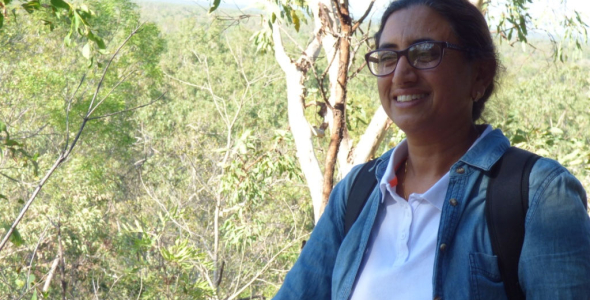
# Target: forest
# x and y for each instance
(148, 148)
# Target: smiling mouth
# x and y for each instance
(407, 98)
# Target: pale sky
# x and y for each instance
(359, 6)
(545, 12)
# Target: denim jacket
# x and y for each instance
(555, 258)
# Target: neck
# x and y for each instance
(430, 156)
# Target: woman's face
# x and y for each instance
(441, 98)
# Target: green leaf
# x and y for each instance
(60, 4)
(49, 23)
(273, 17)
(81, 19)
(31, 6)
(15, 237)
(518, 139)
(68, 39)
(19, 283)
(97, 40)
(3, 197)
(31, 280)
(215, 5)
(86, 51)
(34, 295)
(11, 143)
(296, 20)
(556, 131)
(523, 25)
(1, 20)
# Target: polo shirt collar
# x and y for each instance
(491, 142)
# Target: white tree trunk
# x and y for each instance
(300, 128)
(326, 34)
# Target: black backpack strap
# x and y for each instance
(361, 189)
(507, 202)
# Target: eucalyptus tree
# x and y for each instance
(340, 36)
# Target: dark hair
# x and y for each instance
(469, 25)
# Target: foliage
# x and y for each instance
(543, 107)
(515, 25)
(56, 13)
(197, 196)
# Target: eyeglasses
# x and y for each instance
(422, 56)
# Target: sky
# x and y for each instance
(545, 13)
(359, 6)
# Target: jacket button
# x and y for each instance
(454, 202)
(442, 247)
(438, 298)
(460, 170)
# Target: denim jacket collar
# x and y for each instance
(487, 152)
(483, 155)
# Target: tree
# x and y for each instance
(341, 37)
(47, 90)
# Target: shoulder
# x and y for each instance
(549, 176)
(552, 188)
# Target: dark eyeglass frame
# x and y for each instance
(405, 52)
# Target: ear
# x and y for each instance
(483, 74)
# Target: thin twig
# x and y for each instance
(35, 253)
(98, 87)
(292, 39)
(123, 79)
(353, 75)
(270, 261)
(68, 108)
(2, 174)
(360, 21)
(128, 110)
(62, 268)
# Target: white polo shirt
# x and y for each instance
(399, 260)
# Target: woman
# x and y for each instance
(423, 233)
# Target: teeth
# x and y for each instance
(405, 98)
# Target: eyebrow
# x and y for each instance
(394, 46)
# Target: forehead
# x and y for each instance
(416, 23)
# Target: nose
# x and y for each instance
(404, 73)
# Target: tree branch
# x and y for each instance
(360, 21)
(266, 266)
(91, 108)
(65, 153)
(128, 110)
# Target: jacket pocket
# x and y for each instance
(486, 282)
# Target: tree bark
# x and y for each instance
(295, 73)
(332, 32)
(339, 107)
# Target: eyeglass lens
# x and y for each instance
(424, 55)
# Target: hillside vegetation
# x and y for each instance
(187, 186)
